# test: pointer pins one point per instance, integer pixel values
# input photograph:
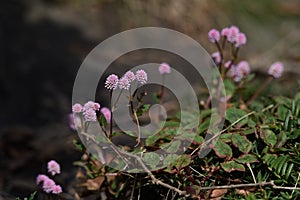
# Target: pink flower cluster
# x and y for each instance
(164, 68)
(88, 110)
(53, 167)
(49, 185)
(231, 34)
(113, 82)
(276, 69)
(240, 71)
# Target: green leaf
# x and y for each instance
(249, 131)
(183, 161)
(226, 137)
(170, 159)
(191, 125)
(233, 114)
(293, 135)
(185, 136)
(205, 113)
(283, 100)
(251, 123)
(32, 195)
(187, 117)
(172, 147)
(269, 137)
(222, 149)
(241, 142)
(79, 145)
(256, 106)
(281, 139)
(103, 121)
(246, 158)
(152, 159)
(171, 124)
(281, 112)
(150, 141)
(232, 166)
(199, 139)
(229, 87)
(203, 126)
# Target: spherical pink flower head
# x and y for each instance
(77, 108)
(56, 189)
(240, 40)
(276, 69)
(48, 185)
(41, 178)
(91, 105)
(130, 76)
(164, 68)
(88, 105)
(111, 82)
(90, 115)
(141, 76)
(214, 35)
(242, 71)
(233, 33)
(106, 113)
(53, 167)
(124, 83)
(225, 32)
(216, 56)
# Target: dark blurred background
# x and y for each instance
(43, 42)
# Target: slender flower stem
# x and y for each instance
(133, 112)
(262, 87)
(118, 98)
(161, 94)
(220, 49)
(111, 113)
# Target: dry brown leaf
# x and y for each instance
(218, 193)
(242, 192)
(245, 192)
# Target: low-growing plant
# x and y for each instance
(257, 154)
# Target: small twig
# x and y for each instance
(166, 198)
(196, 172)
(248, 165)
(295, 184)
(133, 187)
(270, 183)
